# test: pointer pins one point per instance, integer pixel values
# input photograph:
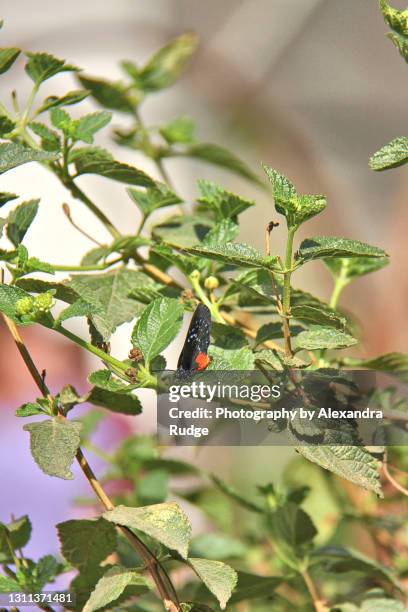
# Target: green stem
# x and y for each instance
(98, 452)
(340, 282)
(150, 150)
(96, 267)
(213, 306)
(93, 349)
(286, 290)
(16, 560)
(25, 119)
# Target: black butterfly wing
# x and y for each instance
(197, 339)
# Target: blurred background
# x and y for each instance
(310, 87)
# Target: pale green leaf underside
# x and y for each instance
(112, 585)
(391, 155)
(13, 155)
(324, 338)
(320, 247)
(350, 462)
(53, 445)
(219, 578)
(165, 522)
(235, 254)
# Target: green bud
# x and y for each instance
(43, 302)
(211, 282)
(195, 275)
(24, 306)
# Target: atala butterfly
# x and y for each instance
(193, 357)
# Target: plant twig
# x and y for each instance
(318, 603)
(286, 292)
(166, 591)
(67, 213)
(391, 479)
(78, 194)
(269, 229)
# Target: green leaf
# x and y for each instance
(109, 95)
(157, 326)
(13, 155)
(6, 197)
(8, 585)
(234, 254)
(88, 125)
(29, 409)
(20, 219)
(72, 97)
(35, 285)
(278, 361)
(116, 402)
(50, 140)
(180, 130)
(166, 523)
(6, 125)
(42, 66)
(292, 533)
(53, 445)
(401, 42)
(219, 578)
(296, 208)
(153, 487)
(339, 560)
(79, 308)
(111, 292)
(86, 542)
(353, 463)
(231, 359)
(62, 120)
(69, 397)
(217, 546)
(46, 569)
(227, 337)
(397, 20)
(318, 316)
(251, 586)
(218, 156)
(164, 68)
(90, 162)
(381, 604)
(105, 380)
(236, 496)
(353, 267)
(90, 421)
(7, 58)
(224, 204)
(225, 231)
(321, 247)
(269, 331)
(184, 230)
(391, 155)
(389, 362)
(112, 585)
(153, 198)
(19, 533)
(324, 338)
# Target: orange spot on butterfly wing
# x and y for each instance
(202, 360)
